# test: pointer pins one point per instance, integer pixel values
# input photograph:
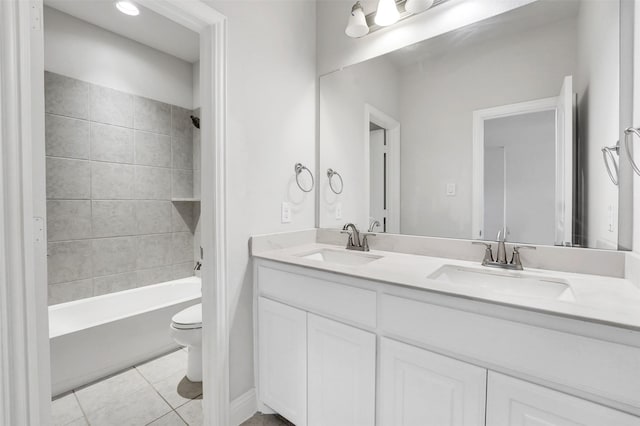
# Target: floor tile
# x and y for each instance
(65, 410)
(135, 409)
(171, 419)
(191, 412)
(78, 422)
(260, 419)
(163, 367)
(177, 390)
(98, 395)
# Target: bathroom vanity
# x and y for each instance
(348, 338)
(496, 127)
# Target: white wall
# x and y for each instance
(336, 50)
(437, 101)
(343, 96)
(598, 109)
(84, 51)
(196, 84)
(271, 110)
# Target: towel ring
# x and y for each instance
(628, 134)
(330, 174)
(299, 168)
(610, 162)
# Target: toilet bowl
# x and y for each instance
(186, 330)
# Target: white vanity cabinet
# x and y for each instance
(336, 350)
(418, 387)
(513, 402)
(282, 345)
(341, 374)
(315, 371)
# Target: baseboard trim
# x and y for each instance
(243, 407)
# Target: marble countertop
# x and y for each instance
(601, 299)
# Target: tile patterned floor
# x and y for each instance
(267, 420)
(155, 393)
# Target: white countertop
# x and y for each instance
(612, 301)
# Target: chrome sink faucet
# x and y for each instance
(354, 242)
(501, 257)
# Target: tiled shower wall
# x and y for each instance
(114, 163)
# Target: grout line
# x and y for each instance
(93, 268)
(160, 200)
(121, 236)
(161, 396)
(84, 414)
(89, 120)
(181, 418)
(120, 163)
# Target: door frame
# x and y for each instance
(392, 127)
(25, 391)
(479, 117)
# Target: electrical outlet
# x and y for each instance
(286, 212)
(338, 211)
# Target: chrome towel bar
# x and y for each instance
(299, 168)
(330, 174)
(610, 162)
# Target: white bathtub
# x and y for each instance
(94, 337)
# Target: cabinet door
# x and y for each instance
(421, 388)
(282, 359)
(342, 368)
(513, 402)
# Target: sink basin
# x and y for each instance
(340, 257)
(506, 282)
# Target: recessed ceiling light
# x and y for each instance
(127, 7)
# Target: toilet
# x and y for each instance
(186, 330)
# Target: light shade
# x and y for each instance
(417, 6)
(387, 13)
(127, 7)
(357, 25)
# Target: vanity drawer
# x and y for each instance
(597, 368)
(321, 296)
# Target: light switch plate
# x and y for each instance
(286, 212)
(451, 189)
(338, 211)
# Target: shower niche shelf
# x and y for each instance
(182, 200)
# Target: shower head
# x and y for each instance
(196, 121)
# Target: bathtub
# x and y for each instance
(98, 336)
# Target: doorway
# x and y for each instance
(28, 399)
(378, 179)
(503, 138)
(382, 171)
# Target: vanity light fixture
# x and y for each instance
(387, 13)
(127, 7)
(357, 26)
(417, 6)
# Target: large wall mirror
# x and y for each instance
(495, 127)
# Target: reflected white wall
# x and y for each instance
(343, 96)
(437, 101)
(598, 117)
(528, 143)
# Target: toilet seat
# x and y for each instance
(188, 319)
